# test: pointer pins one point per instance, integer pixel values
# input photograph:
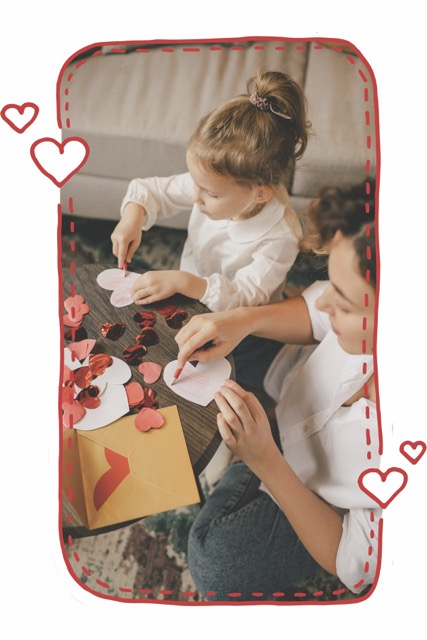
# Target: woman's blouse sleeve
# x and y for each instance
(162, 198)
(319, 319)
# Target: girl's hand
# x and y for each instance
(153, 286)
(127, 235)
(222, 330)
(244, 426)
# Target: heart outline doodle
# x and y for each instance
(20, 108)
(413, 445)
(61, 148)
(383, 475)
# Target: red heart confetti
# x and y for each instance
(176, 319)
(149, 419)
(147, 337)
(388, 483)
(150, 371)
(145, 318)
(113, 331)
(83, 377)
(165, 307)
(99, 362)
(135, 394)
(75, 334)
(149, 400)
(134, 354)
(88, 397)
(409, 448)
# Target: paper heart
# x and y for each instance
(55, 158)
(408, 448)
(198, 384)
(81, 349)
(73, 413)
(149, 419)
(151, 371)
(383, 486)
(119, 283)
(135, 394)
(20, 117)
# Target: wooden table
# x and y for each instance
(199, 423)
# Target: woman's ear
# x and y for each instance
(263, 194)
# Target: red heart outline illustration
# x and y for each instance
(383, 476)
(61, 148)
(20, 109)
(413, 445)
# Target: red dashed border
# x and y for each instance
(144, 594)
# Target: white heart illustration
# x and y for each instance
(198, 383)
(59, 161)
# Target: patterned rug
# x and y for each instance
(147, 560)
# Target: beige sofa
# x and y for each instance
(137, 104)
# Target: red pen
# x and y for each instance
(125, 269)
(176, 376)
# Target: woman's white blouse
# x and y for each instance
(243, 262)
(329, 445)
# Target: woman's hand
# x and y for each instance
(127, 234)
(222, 331)
(244, 426)
(153, 286)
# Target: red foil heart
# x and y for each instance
(88, 397)
(147, 337)
(134, 354)
(145, 318)
(176, 319)
(113, 331)
(75, 334)
(99, 362)
(149, 401)
(165, 307)
(83, 377)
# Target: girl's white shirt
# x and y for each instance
(328, 445)
(244, 262)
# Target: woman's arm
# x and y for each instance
(287, 321)
(246, 431)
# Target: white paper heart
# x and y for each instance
(117, 373)
(120, 284)
(114, 405)
(198, 384)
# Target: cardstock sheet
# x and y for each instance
(119, 473)
(198, 383)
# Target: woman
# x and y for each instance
(282, 513)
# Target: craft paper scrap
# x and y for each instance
(198, 383)
(119, 473)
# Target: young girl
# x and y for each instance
(242, 233)
(308, 515)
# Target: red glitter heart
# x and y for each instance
(83, 377)
(88, 397)
(75, 334)
(134, 354)
(176, 319)
(99, 362)
(147, 337)
(145, 318)
(113, 331)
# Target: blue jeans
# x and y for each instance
(252, 358)
(241, 542)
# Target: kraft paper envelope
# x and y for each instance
(118, 473)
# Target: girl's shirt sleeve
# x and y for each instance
(258, 283)
(162, 198)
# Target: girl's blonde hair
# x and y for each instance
(255, 138)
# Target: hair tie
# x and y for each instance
(265, 104)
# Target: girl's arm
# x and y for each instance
(246, 431)
(287, 321)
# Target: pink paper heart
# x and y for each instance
(408, 448)
(81, 349)
(151, 371)
(66, 157)
(148, 419)
(388, 483)
(73, 412)
(28, 110)
(135, 394)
